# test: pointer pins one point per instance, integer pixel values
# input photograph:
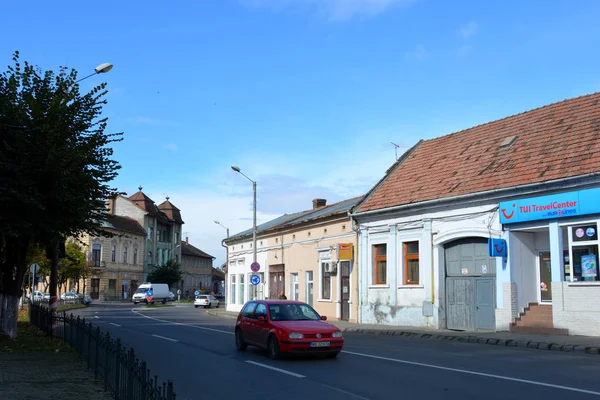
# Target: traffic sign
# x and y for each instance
(255, 279)
(34, 268)
(149, 294)
(196, 293)
(255, 267)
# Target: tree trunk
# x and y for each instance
(8, 324)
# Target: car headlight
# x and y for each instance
(296, 335)
(337, 334)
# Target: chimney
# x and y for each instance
(186, 240)
(318, 203)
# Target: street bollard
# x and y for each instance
(53, 307)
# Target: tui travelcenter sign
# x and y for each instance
(560, 205)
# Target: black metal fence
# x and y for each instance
(124, 376)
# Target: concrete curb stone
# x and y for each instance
(464, 339)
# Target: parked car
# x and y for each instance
(69, 296)
(283, 326)
(206, 301)
(37, 295)
(171, 296)
(87, 300)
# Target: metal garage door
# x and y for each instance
(470, 285)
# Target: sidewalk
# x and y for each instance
(579, 344)
(37, 374)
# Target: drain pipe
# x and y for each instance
(354, 226)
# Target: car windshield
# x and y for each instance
(293, 312)
(141, 290)
(202, 297)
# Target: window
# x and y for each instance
(248, 310)
(242, 288)
(411, 263)
(125, 255)
(232, 277)
(149, 258)
(380, 264)
(326, 280)
(294, 286)
(113, 253)
(135, 255)
(261, 311)
(96, 252)
(150, 232)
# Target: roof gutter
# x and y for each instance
(524, 189)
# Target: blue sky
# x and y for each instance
(305, 96)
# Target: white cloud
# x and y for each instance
(171, 146)
(468, 30)
(419, 53)
(335, 10)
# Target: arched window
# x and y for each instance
(149, 257)
(113, 253)
(135, 255)
(125, 255)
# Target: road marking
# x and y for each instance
(95, 316)
(179, 323)
(112, 323)
(464, 371)
(166, 338)
(283, 371)
(345, 392)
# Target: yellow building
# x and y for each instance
(117, 262)
(309, 256)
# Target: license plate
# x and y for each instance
(320, 344)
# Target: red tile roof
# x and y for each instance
(556, 141)
(171, 211)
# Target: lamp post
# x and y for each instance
(237, 169)
(218, 223)
(100, 69)
(226, 255)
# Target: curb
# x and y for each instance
(465, 339)
(482, 340)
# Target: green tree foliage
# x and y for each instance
(55, 168)
(170, 273)
(74, 266)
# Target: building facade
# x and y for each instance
(117, 261)
(197, 269)
(308, 256)
(493, 227)
(162, 223)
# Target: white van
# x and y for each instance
(160, 293)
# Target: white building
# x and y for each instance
(426, 256)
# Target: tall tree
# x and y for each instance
(74, 266)
(55, 169)
(170, 273)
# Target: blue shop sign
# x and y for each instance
(561, 205)
(497, 248)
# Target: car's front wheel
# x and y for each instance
(195, 306)
(239, 340)
(273, 348)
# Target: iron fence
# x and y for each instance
(123, 374)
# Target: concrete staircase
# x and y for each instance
(536, 318)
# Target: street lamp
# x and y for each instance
(237, 169)
(100, 69)
(218, 223)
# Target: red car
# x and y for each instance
(286, 326)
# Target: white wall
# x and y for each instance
(524, 268)
(576, 307)
(394, 303)
(242, 259)
(126, 208)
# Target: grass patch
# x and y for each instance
(185, 301)
(158, 305)
(30, 339)
(67, 307)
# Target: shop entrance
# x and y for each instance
(545, 277)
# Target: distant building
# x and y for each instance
(197, 269)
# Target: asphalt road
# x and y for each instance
(197, 352)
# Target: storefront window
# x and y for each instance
(583, 265)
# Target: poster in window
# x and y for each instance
(588, 266)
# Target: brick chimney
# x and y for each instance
(186, 240)
(318, 203)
